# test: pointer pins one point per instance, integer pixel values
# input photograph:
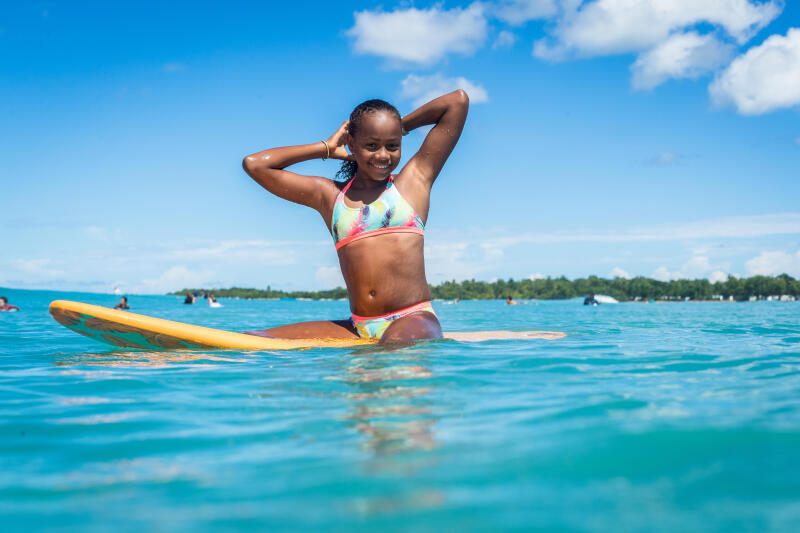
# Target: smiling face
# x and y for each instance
(376, 145)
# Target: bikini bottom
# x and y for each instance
(373, 327)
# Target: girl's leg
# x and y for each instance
(317, 329)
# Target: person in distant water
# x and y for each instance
(376, 218)
(4, 305)
(190, 298)
(123, 303)
(590, 300)
(510, 301)
(212, 300)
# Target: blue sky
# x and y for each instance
(603, 139)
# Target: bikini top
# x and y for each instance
(390, 213)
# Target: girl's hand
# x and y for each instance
(338, 142)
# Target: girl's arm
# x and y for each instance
(267, 168)
(448, 112)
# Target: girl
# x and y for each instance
(377, 219)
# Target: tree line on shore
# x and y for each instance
(639, 288)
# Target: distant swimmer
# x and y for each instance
(4, 305)
(190, 298)
(510, 301)
(123, 303)
(590, 300)
(212, 301)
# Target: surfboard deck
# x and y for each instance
(131, 330)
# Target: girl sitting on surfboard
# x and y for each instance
(377, 219)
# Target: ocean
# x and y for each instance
(645, 417)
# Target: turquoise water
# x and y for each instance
(664, 417)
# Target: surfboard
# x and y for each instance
(130, 330)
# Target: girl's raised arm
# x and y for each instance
(267, 169)
(448, 113)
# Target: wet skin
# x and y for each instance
(383, 273)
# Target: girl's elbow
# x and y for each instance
(248, 163)
(253, 163)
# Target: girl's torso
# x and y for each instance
(380, 248)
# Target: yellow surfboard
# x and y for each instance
(130, 330)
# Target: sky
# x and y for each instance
(605, 137)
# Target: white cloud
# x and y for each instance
(517, 12)
(447, 260)
(773, 264)
(765, 78)
(276, 252)
(665, 158)
(536, 275)
(718, 276)
(96, 233)
(723, 227)
(697, 267)
(682, 55)
(505, 39)
(174, 278)
(419, 36)
(36, 268)
(662, 274)
(171, 68)
(492, 252)
(620, 26)
(422, 89)
(617, 272)
(330, 277)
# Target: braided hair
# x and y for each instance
(349, 168)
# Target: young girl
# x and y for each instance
(377, 219)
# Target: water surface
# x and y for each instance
(646, 417)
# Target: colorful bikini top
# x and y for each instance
(390, 213)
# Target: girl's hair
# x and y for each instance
(349, 168)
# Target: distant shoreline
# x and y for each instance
(639, 289)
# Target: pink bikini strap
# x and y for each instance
(349, 183)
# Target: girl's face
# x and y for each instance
(376, 145)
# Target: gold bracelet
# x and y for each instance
(327, 150)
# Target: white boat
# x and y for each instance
(605, 299)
